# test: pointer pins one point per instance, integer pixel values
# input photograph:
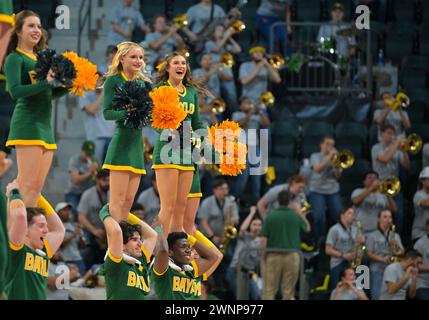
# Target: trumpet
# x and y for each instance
(217, 105)
(305, 207)
(343, 159)
(276, 60)
(227, 59)
(180, 21)
(401, 101)
(413, 144)
(267, 98)
(237, 27)
(390, 186)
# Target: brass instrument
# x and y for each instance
(184, 51)
(217, 106)
(92, 164)
(401, 101)
(395, 250)
(148, 151)
(390, 186)
(413, 144)
(305, 207)
(267, 98)
(343, 159)
(276, 60)
(237, 27)
(359, 247)
(180, 21)
(229, 231)
(227, 59)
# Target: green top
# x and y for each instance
(175, 285)
(28, 280)
(6, 7)
(4, 250)
(112, 82)
(127, 281)
(282, 228)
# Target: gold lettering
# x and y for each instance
(37, 264)
(29, 262)
(32, 75)
(182, 285)
(131, 279)
(44, 268)
(188, 284)
(176, 283)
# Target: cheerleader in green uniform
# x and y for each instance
(30, 129)
(125, 155)
(174, 180)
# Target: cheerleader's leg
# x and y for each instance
(133, 186)
(190, 214)
(166, 181)
(183, 187)
(119, 181)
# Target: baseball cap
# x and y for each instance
(88, 147)
(62, 205)
(338, 6)
(424, 173)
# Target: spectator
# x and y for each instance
(368, 202)
(399, 119)
(214, 209)
(400, 278)
(82, 170)
(149, 199)
(386, 156)
(60, 275)
(249, 243)
(110, 53)
(124, 19)
(254, 75)
(89, 207)
(296, 186)
(422, 247)
(340, 244)
(254, 118)
(281, 231)
(379, 251)
(73, 239)
(324, 186)
(344, 45)
(207, 115)
(270, 12)
(346, 288)
(97, 129)
(163, 40)
(421, 206)
(425, 153)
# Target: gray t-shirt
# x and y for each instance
(421, 214)
(425, 155)
(213, 84)
(257, 86)
(340, 239)
(151, 205)
(153, 55)
(392, 274)
(422, 246)
(329, 30)
(394, 119)
(95, 125)
(90, 205)
(215, 216)
(345, 295)
(76, 163)
(378, 243)
(199, 15)
(127, 18)
(55, 270)
(272, 8)
(254, 123)
(272, 195)
(323, 182)
(368, 210)
(208, 47)
(251, 257)
(70, 252)
(385, 170)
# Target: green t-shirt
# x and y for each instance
(282, 228)
(127, 281)
(28, 279)
(4, 250)
(175, 285)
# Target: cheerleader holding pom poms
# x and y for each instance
(127, 101)
(30, 128)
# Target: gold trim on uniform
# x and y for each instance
(14, 247)
(195, 266)
(180, 94)
(173, 166)
(48, 248)
(146, 253)
(48, 146)
(195, 195)
(115, 260)
(31, 56)
(123, 168)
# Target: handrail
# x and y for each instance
(83, 19)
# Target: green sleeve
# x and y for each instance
(109, 92)
(59, 92)
(264, 231)
(17, 90)
(196, 120)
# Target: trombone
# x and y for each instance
(413, 144)
(217, 105)
(227, 59)
(180, 21)
(276, 60)
(267, 98)
(343, 159)
(237, 27)
(390, 187)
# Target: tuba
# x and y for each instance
(276, 60)
(227, 59)
(390, 186)
(359, 247)
(180, 21)
(413, 144)
(229, 231)
(237, 27)
(267, 98)
(217, 106)
(343, 159)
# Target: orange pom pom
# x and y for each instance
(86, 71)
(220, 134)
(232, 163)
(166, 112)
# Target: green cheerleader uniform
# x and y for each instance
(125, 152)
(31, 120)
(189, 103)
(195, 191)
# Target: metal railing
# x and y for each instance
(322, 68)
(84, 18)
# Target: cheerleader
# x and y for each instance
(30, 128)
(125, 155)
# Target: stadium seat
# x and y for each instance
(413, 77)
(417, 111)
(317, 129)
(399, 41)
(422, 129)
(284, 167)
(351, 129)
(309, 10)
(284, 135)
(404, 10)
(415, 61)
